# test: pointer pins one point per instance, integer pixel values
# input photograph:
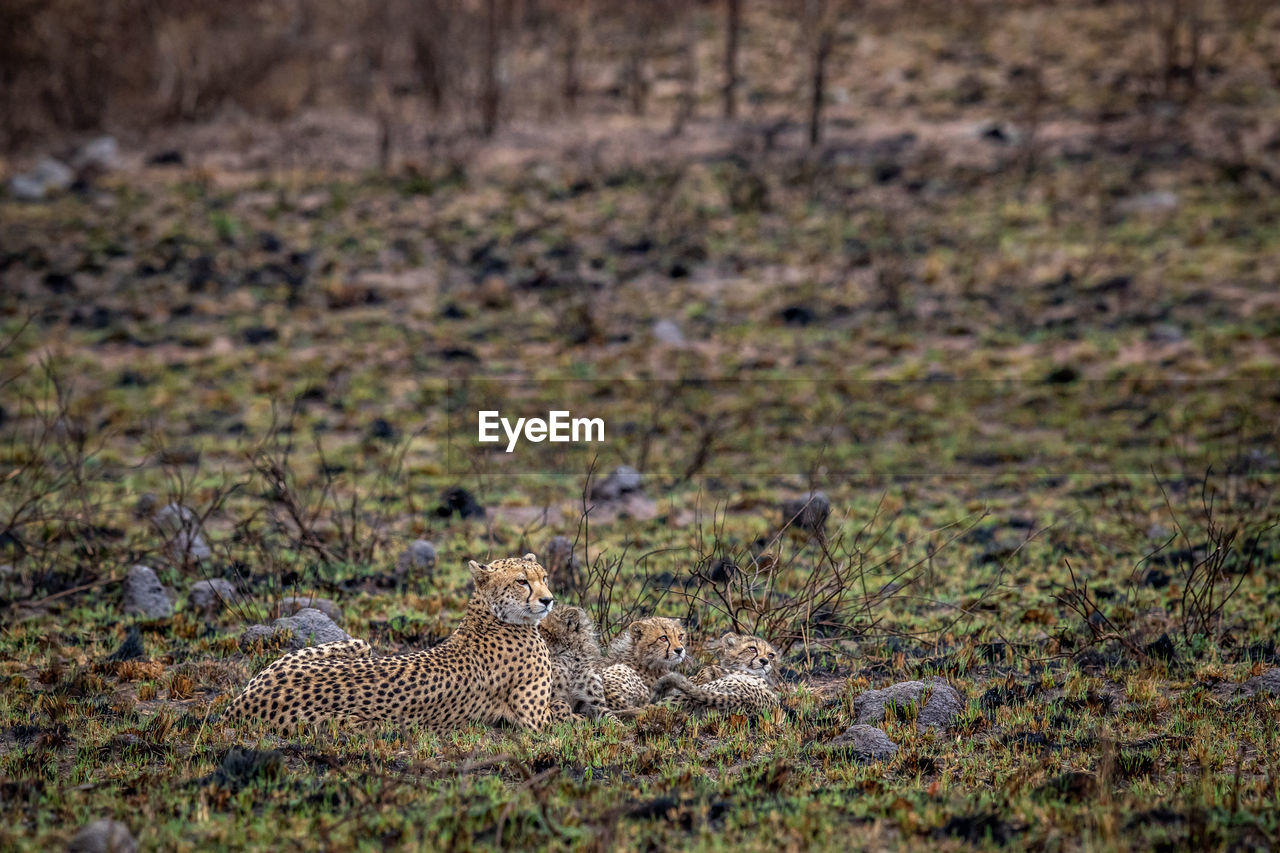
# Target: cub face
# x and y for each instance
(658, 642)
(744, 653)
(515, 589)
(569, 627)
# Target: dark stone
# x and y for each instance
(131, 648)
(255, 335)
(456, 499)
(621, 481)
(103, 836)
(1162, 649)
(239, 767)
(797, 315)
(168, 157)
(1062, 375)
(382, 430)
(807, 512)
(976, 829)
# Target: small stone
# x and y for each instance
(291, 604)
(558, 554)
(938, 713)
(667, 332)
(48, 176)
(97, 156)
(867, 743)
(459, 500)
(808, 513)
(145, 596)
(1165, 333)
(1153, 202)
(419, 558)
(181, 527)
(209, 597)
(255, 634)
(103, 836)
(311, 627)
(621, 480)
(1268, 682)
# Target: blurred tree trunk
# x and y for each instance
(732, 31)
(689, 84)
(490, 96)
(819, 21)
(571, 84)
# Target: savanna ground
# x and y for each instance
(1025, 343)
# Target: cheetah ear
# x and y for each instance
(636, 630)
(480, 571)
(728, 639)
(532, 557)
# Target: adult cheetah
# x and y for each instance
(638, 657)
(575, 662)
(738, 681)
(495, 666)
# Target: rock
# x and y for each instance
(944, 704)
(103, 836)
(1152, 202)
(808, 513)
(97, 156)
(419, 558)
(1165, 333)
(867, 743)
(49, 176)
(459, 500)
(622, 480)
(667, 332)
(310, 627)
(291, 604)
(145, 596)
(209, 597)
(558, 554)
(181, 527)
(1268, 683)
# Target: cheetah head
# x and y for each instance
(515, 589)
(569, 627)
(658, 642)
(744, 653)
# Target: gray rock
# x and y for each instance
(621, 481)
(49, 176)
(1165, 333)
(291, 604)
(808, 512)
(939, 712)
(866, 742)
(209, 597)
(310, 627)
(103, 836)
(558, 554)
(1153, 202)
(181, 527)
(418, 558)
(667, 332)
(98, 155)
(1268, 683)
(145, 596)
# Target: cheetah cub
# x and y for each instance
(495, 666)
(575, 663)
(737, 682)
(638, 657)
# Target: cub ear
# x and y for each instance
(728, 640)
(636, 630)
(531, 557)
(480, 571)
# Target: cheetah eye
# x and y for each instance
(662, 639)
(522, 582)
(772, 655)
(754, 650)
